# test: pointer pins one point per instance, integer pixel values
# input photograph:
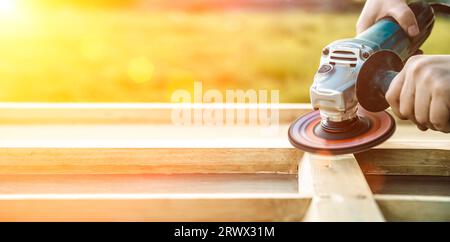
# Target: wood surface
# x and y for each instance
(150, 184)
(414, 208)
(114, 143)
(410, 185)
(127, 113)
(338, 189)
(152, 207)
(142, 125)
(147, 160)
(181, 197)
(405, 162)
(129, 162)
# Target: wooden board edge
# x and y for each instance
(425, 162)
(135, 113)
(179, 208)
(151, 160)
(414, 208)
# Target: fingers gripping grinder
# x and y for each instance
(350, 84)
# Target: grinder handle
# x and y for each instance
(387, 34)
(377, 72)
(383, 80)
(424, 13)
(374, 79)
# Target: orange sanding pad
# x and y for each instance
(307, 133)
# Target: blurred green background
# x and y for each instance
(141, 51)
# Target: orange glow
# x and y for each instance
(140, 70)
(132, 51)
(93, 48)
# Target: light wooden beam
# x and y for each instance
(206, 160)
(150, 160)
(128, 113)
(152, 207)
(405, 162)
(173, 136)
(414, 208)
(143, 125)
(410, 185)
(338, 189)
(150, 184)
(155, 197)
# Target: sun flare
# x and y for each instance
(8, 7)
(14, 14)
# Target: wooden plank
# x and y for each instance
(180, 197)
(410, 185)
(338, 189)
(405, 162)
(407, 136)
(128, 113)
(414, 208)
(150, 184)
(152, 207)
(146, 125)
(151, 160)
(170, 136)
(108, 147)
(141, 136)
(166, 160)
(134, 113)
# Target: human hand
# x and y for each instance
(421, 92)
(374, 10)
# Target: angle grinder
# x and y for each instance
(350, 84)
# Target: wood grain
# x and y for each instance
(410, 185)
(149, 184)
(338, 189)
(181, 208)
(156, 197)
(128, 113)
(140, 161)
(172, 136)
(147, 125)
(405, 162)
(414, 208)
(129, 162)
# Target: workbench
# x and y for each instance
(129, 162)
